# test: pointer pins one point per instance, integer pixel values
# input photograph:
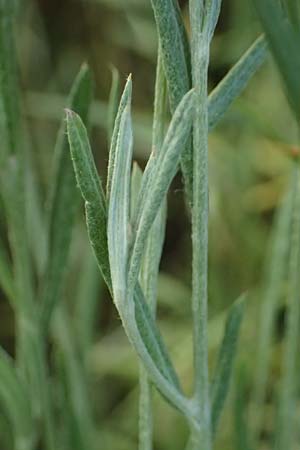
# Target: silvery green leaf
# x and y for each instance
(176, 61)
(235, 81)
(165, 169)
(112, 152)
(158, 133)
(64, 201)
(173, 48)
(223, 370)
(118, 209)
(213, 15)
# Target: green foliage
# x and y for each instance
(49, 392)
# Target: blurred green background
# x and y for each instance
(249, 165)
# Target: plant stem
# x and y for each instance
(149, 274)
(201, 434)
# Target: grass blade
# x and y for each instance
(64, 202)
(14, 396)
(287, 424)
(223, 371)
(274, 276)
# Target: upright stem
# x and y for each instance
(201, 434)
(153, 251)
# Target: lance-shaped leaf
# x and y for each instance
(118, 210)
(173, 48)
(158, 132)
(166, 167)
(176, 61)
(91, 189)
(64, 201)
(14, 397)
(112, 153)
(224, 367)
(235, 81)
(284, 41)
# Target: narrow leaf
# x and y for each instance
(235, 81)
(118, 209)
(91, 190)
(176, 61)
